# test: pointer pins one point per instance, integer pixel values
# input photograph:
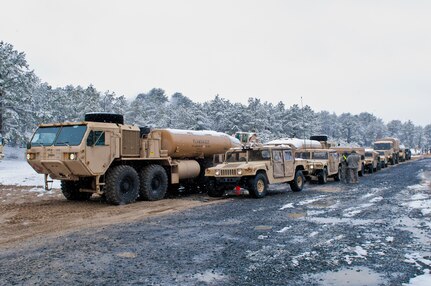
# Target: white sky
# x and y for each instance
(340, 56)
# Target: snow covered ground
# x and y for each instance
(14, 170)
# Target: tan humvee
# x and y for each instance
(372, 160)
(321, 164)
(119, 161)
(254, 167)
(359, 150)
(384, 155)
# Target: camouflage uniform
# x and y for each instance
(344, 175)
(353, 165)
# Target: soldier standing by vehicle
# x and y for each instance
(344, 175)
(352, 166)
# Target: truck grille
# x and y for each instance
(228, 172)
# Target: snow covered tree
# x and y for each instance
(17, 82)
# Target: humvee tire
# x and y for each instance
(322, 178)
(121, 185)
(298, 182)
(258, 186)
(370, 169)
(214, 190)
(154, 183)
(70, 190)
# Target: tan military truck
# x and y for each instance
(372, 160)
(388, 144)
(384, 155)
(254, 167)
(402, 153)
(321, 163)
(121, 162)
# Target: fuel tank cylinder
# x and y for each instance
(188, 169)
(193, 144)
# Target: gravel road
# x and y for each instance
(377, 232)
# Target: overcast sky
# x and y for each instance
(340, 56)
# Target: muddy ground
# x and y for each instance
(375, 233)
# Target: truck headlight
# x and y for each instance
(311, 166)
(217, 172)
(30, 156)
(239, 172)
(71, 156)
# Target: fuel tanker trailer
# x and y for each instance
(119, 161)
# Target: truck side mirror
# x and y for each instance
(28, 145)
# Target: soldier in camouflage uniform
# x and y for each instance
(352, 166)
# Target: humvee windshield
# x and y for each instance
(382, 146)
(320, 155)
(253, 155)
(302, 155)
(369, 154)
(59, 135)
(381, 152)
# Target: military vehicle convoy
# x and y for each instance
(119, 161)
(254, 167)
(392, 146)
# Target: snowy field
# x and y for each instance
(14, 170)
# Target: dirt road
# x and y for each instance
(377, 232)
(29, 213)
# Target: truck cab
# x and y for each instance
(372, 160)
(254, 168)
(392, 146)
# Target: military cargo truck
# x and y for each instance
(389, 144)
(372, 160)
(119, 161)
(253, 168)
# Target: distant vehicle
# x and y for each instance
(389, 144)
(402, 153)
(255, 167)
(1, 147)
(119, 161)
(408, 154)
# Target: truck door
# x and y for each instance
(98, 150)
(333, 163)
(277, 159)
(289, 168)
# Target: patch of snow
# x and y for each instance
(287, 206)
(314, 233)
(421, 280)
(306, 202)
(376, 199)
(418, 187)
(389, 239)
(262, 237)
(284, 229)
(312, 212)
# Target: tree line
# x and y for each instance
(26, 101)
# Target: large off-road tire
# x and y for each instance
(214, 190)
(393, 161)
(337, 177)
(322, 178)
(154, 183)
(298, 182)
(370, 169)
(70, 190)
(258, 186)
(379, 166)
(121, 185)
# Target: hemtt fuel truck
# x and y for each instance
(122, 162)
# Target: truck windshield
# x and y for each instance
(59, 136)
(381, 152)
(382, 146)
(368, 154)
(320, 155)
(236, 156)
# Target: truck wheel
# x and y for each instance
(214, 190)
(393, 161)
(121, 185)
(322, 178)
(337, 177)
(258, 186)
(298, 182)
(70, 190)
(154, 183)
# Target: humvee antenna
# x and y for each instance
(303, 123)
